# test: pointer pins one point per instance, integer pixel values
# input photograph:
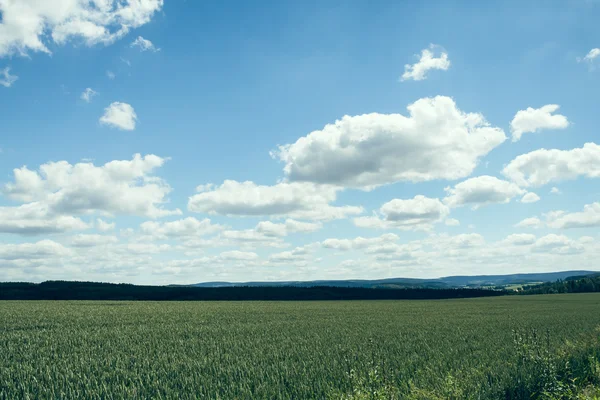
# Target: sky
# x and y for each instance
(173, 141)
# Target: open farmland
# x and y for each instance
(283, 350)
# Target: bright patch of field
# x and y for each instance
(275, 350)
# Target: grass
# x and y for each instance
(486, 348)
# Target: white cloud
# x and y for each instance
(187, 227)
(25, 251)
(35, 219)
(428, 61)
(532, 222)
(480, 191)
(104, 226)
(555, 190)
(452, 222)
(144, 44)
(537, 119)
(6, 79)
(588, 218)
(590, 56)
(520, 239)
(120, 187)
(119, 115)
(238, 255)
(418, 213)
(87, 94)
(91, 240)
(530, 197)
(269, 228)
(296, 200)
(557, 244)
(436, 141)
(359, 242)
(111, 75)
(29, 25)
(543, 166)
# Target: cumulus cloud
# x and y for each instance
(557, 244)
(532, 222)
(36, 219)
(590, 57)
(436, 141)
(119, 115)
(187, 227)
(588, 218)
(104, 226)
(480, 191)
(269, 228)
(519, 239)
(91, 240)
(543, 166)
(144, 44)
(29, 25)
(427, 62)
(238, 255)
(358, 243)
(530, 197)
(555, 190)
(418, 213)
(537, 119)
(41, 249)
(300, 200)
(120, 187)
(6, 79)
(452, 222)
(87, 94)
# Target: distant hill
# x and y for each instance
(448, 282)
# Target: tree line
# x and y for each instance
(68, 290)
(590, 283)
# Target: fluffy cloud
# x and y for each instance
(144, 44)
(452, 222)
(530, 197)
(418, 213)
(104, 226)
(269, 228)
(27, 25)
(555, 190)
(6, 79)
(35, 219)
(543, 166)
(519, 239)
(125, 187)
(41, 249)
(557, 244)
(436, 141)
(480, 191)
(590, 56)
(87, 94)
(359, 242)
(187, 227)
(238, 255)
(91, 240)
(427, 62)
(532, 222)
(589, 217)
(537, 119)
(119, 115)
(296, 200)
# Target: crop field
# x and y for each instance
(474, 348)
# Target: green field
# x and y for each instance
(283, 350)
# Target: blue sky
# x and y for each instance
(494, 169)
